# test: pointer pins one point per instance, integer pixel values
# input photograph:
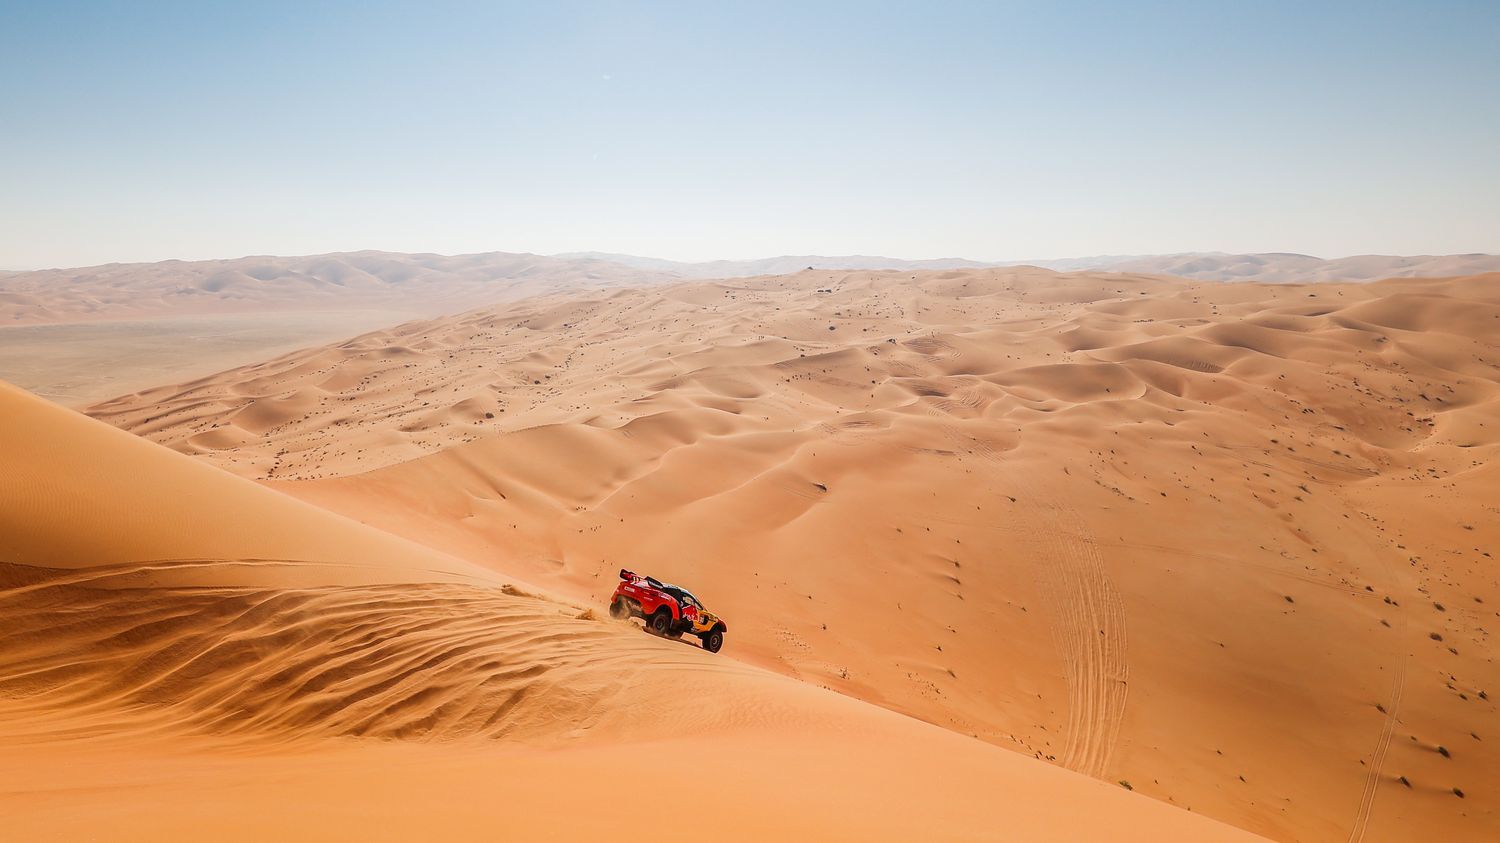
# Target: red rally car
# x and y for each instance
(667, 609)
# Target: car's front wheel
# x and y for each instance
(713, 640)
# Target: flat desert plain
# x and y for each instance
(1004, 553)
(79, 363)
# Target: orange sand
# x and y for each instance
(189, 654)
(1191, 536)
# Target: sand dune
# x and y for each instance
(431, 285)
(1228, 543)
(191, 654)
(79, 494)
(80, 335)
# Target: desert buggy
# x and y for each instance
(668, 610)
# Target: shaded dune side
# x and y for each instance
(404, 660)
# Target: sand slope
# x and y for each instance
(1229, 543)
(77, 494)
(190, 654)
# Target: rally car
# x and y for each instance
(668, 610)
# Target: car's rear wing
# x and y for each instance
(632, 576)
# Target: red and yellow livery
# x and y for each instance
(668, 610)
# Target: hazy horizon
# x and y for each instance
(992, 132)
(601, 255)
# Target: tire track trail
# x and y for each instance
(1377, 761)
(1088, 624)
(1085, 612)
(1392, 706)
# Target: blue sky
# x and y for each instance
(716, 130)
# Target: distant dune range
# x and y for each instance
(1271, 267)
(80, 335)
(1229, 543)
(421, 283)
(1291, 268)
(430, 284)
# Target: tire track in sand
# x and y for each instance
(1085, 612)
(1377, 760)
(1087, 617)
(1392, 706)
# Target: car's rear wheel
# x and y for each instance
(661, 622)
(713, 640)
(618, 610)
